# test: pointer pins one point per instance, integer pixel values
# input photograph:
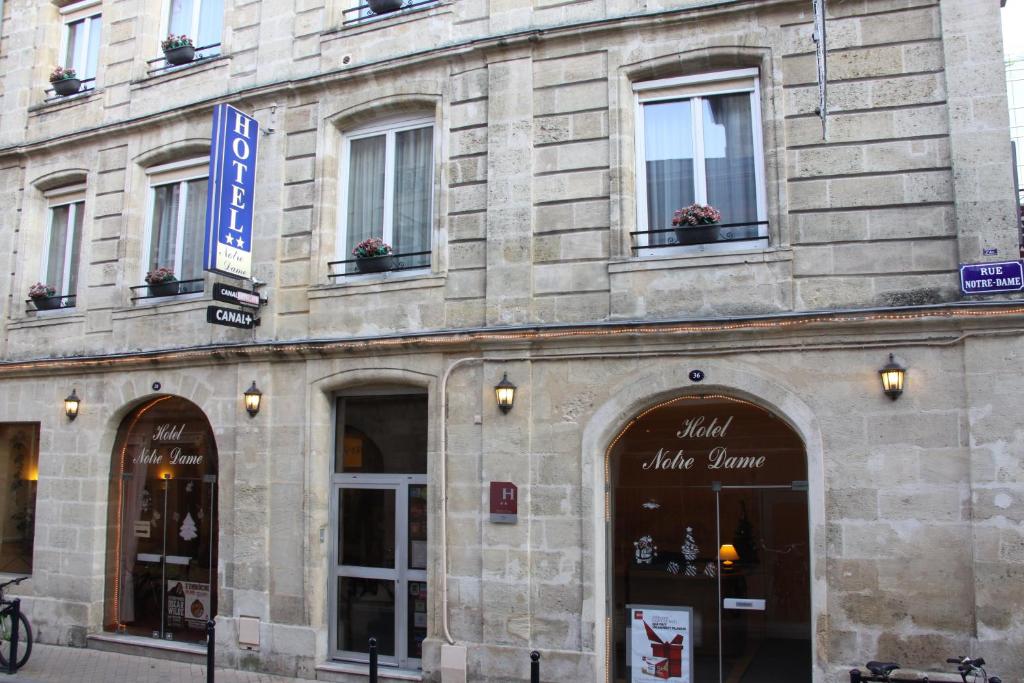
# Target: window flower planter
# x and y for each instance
(375, 264)
(176, 56)
(164, 288)
(384, 6)
(697, 234)
(67, 86)
(46, 303)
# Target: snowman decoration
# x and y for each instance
(644, 550)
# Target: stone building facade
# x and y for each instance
(675, 390)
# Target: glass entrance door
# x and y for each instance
(380, 568)
(167, 567)
(739, 574)
(709, 549)
(378, 573)
(764, 589)
(163, 523)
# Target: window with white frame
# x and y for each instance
(698, 141)
(387, 189)
(200, 20)
(59, 266)
(177, 219)
(81, 41)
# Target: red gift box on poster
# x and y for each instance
(672, 651)
(656, 666)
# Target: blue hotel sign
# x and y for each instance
(991, 278)
(228, 246)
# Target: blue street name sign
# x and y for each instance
(991, 278)
(228, 246)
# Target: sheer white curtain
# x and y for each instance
(365, 215)
(180, 20)
(729, 157)
(165, 226)
(92, 55)
(413, 171)
(195, 226)
(56, 255)
(71, 269)
(62, 252)
(211, 22)
(668, 144)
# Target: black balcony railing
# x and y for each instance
(380, 264)
(50, 303)
(689, 235)
(88, 85)
(165, 289)
(203, 54)
(363, 14)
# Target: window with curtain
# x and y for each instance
(200, 20)
(177, 223)
(387, 188)
(81, 51)
(63, 244)
(699, 142)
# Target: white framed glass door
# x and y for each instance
(379, 567)
(378, 572)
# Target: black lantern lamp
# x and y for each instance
(893, 375)
(505, 393)
(253, 398)
(71, 405)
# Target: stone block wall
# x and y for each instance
(535, 190)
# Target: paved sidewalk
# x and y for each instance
(57, 664)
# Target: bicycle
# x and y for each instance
(24, 630)
(974, 669)
(971, 671)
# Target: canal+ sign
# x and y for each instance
(228, 245)
(991, 278)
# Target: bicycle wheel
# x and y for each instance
(24, 640)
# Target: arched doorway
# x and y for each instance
(162, 523)
(710, 554)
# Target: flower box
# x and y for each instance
(375, 264)
(46, 303)
(67, 86)
(164, 288)
(180, 55)
(384, 6)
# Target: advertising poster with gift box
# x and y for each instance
(661, 644)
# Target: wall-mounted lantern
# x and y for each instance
(253, 398)
(71, 404)
(505, 393)
(893, 375)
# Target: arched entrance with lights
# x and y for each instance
(709, 566)
(161, 578)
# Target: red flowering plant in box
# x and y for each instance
(373, 246)
(41, 291)
(696, 214)
(159, 276)
(373, 255)
(173, 42)
(61, 74)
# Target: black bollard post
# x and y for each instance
(373, 660)
(211, 644)
(12, 663)
(534, 667)
(855, 676)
